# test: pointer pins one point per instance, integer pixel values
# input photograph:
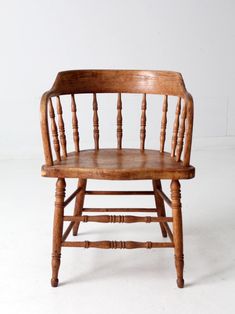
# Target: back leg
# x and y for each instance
(159, 204)
(79, 203)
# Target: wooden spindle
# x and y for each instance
(119, 122)
(175, 127)
(180, 141)
(61, 127)
(75, 123)
(54, 131)
(143, 122)
(188, 130)
(95, 122)
(163, 123)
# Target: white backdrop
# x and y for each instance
(40, 38)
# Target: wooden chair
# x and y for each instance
(117, 163)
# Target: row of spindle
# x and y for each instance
(59, 137)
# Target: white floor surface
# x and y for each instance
(96, 281)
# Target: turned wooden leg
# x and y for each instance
(159, 204)
(177, 231)
(79, 203)
(57, 230)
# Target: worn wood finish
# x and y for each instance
(114, 164)
(163, 123)
(177, 231)
(119, 81)
(79, 203)
(119, 121)
(75, 124)
(57, 230)
(119, 163)
(159, 204)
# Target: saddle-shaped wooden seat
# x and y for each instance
(117, 163)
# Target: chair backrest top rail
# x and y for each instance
(119, 81)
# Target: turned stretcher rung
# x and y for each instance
(118, 244)
(71, 197)
(68, 230)
(119, 192)
(164, 197)
(168, 230)
(130, 210)
(117, 219)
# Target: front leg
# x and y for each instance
(177, 231)
(57, 230)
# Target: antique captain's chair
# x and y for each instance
(117, 163)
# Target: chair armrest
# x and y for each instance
(189, 129)
(45, 129)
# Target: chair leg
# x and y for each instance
(177, 231)
(159, 204)
(79, 203)
(57, 230)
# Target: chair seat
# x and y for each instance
(119, 164)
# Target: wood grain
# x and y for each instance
(114, 164)
(119, 81)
